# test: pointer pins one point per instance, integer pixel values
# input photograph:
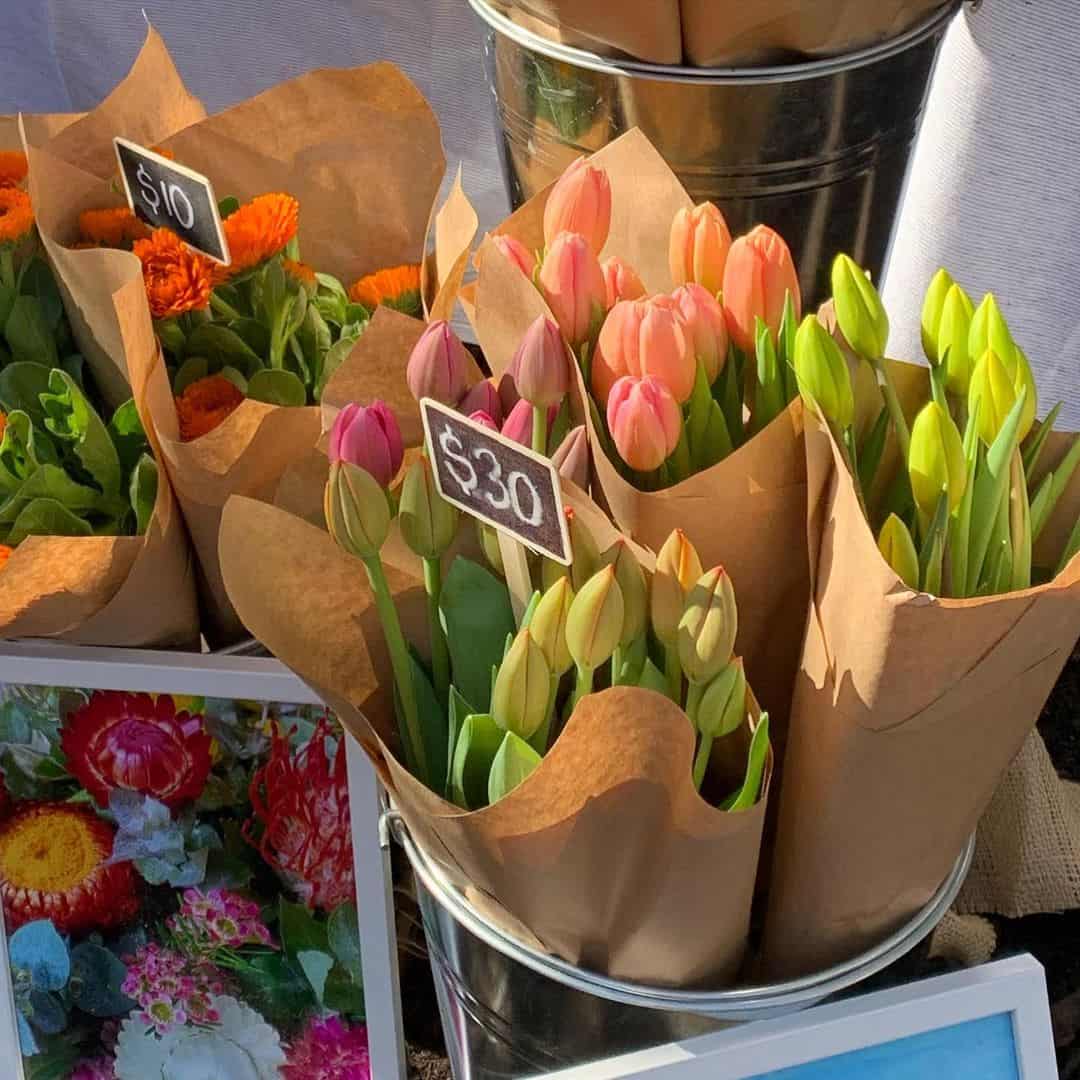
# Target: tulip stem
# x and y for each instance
(701, 760)
(673, 670)
(539, 430)
(896, 411)
(851, 453)
(693, 701)
(440, 654)
(582, 686)
(539, 741)
(399, 659)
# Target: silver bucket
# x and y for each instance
(817, 150)
(509, 1010)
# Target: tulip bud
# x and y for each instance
(519, 699)
(644, 337)
(898, 550)
(540, 369)
(759, 275)
(706, 327)
(933, 307)
(368, 438)
(571, 459)
(723, 705)
(860, 314)
(699, 247)
(438, 365)
(989, 330)
(548, 625)
(823, 374)
(1024, 379)
(573, 286)
(991, 392)
(586, 555)
(621, 280)
(953, 339)
(356, 509)
(518, 424)
(484, 419)
(645, 422)
(428, 522)
(635, 592)
(483, 397)
(580, 202)
(677, 569)
(706, 634)
(516, 252)
(936, 461)
(595, 622)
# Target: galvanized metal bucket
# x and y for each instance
(509, 1010)
(817, 150)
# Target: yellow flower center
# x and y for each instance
(50, 852)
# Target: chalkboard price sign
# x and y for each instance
(169, 196)
(497, 480)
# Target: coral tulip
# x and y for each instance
(759, 275)
(706, 326)
(540, 368)
(699, 247)
(622, 281)
(438, 365)
(573, 285)
(369, 438)
(645, 421)
(516, 252)
(580, 202)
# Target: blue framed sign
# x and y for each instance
(990, 1023)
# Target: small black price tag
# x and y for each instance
(497, 480)
(169, 196)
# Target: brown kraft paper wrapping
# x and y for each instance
(365, 188)
(606, 853)
(907, 711)
(746, 513)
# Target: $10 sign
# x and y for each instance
(496, 480)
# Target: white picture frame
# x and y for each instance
(34, 663)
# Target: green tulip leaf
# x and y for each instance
(748, 795)
(698, 410)
(277, 387)
(477, 745)
(433, 723)
(728, 394)
(652, 678)
(459, 710)
(1036, 441)
(871, 451)
(514, 763)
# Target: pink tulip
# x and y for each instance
(438, 365)
(580, 202)
(483, 397)
(516, 252)
(483, 418)
(621, 280)
(645, 421)
(700, 242)
(644, 337)
(573, 285)
(706, 326)
(540, 368)
(518, 425)
(571, 459)
(368, 438)
(760, 273)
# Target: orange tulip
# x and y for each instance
(580, 202)
(760, 273)
(622, 281)
(573, 285)
(517, 253)
(700, 242)
(645, 421)
(706, 325)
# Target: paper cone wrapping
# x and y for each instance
(746, 513)
(606, 853)
(361, 151)
(908, 710)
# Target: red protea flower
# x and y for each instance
(53, 865)
(301, 823)
(136, 743)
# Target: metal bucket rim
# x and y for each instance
(809, 69)
(792, 994)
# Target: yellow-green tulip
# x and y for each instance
(356, 509)
(933, 306)
(707, 629)
(993, 393)
(936, 463)
(677, 569)
(823, 374)
(898, 550)
(860, 314)
(520, 697)
(595, 620)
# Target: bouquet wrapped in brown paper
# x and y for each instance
(537, 749)
(930, 653)
(662, 377)
(248, 348)
(93, 550)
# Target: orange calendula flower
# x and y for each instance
(259, 229)
(177, 279)
(301, 271)
(116, 227)
(397, 287)
(12, 168)
(206, 404)
(5, 554)
(16, 215)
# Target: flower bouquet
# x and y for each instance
(91, 543)
(518, 747)
(177, 887)
(945, 516)
(248, 348)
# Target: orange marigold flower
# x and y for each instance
(12, 168)
(301, 271)
(116, 227)
(397, 287)
(5, 554)
(205, 404)
(260, 229)
(16, 215)
(177, 279)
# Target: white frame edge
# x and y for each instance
(260, 679)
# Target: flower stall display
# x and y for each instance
(946, 517)
(519, 747)
(246, 350)
(84, 514)
(177, 885)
